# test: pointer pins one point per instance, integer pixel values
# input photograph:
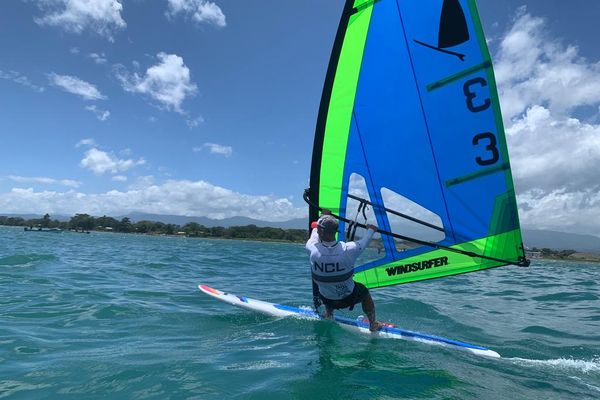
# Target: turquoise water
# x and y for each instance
(120, 316)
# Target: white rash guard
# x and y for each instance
(332, 264)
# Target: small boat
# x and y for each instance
(81, 231)
(40, 229)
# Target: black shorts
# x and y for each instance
(359, 293)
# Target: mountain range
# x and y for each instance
(531, 237)
(298, 223)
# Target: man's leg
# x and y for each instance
(369, 308)
(328, 312)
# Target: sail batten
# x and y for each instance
(413, 133)
(459, 75)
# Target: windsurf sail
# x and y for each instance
(410, 138)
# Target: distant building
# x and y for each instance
(533, 254)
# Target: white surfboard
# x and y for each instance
(357, 325)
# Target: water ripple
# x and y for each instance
(113, 315)
(26, 259)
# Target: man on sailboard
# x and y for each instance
(332, 266)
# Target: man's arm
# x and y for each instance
(356, 247)
(364, 241)
(313, 240)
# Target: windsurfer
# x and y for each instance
(332, 266)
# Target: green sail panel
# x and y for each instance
(410, 138)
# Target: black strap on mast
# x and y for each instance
(351, 230)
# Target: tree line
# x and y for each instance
(555, 254)
(85, 222)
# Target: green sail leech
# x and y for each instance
(340, 109)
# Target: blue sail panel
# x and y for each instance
(423, 137)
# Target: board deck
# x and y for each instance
(357, 325)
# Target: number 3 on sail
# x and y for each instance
(410, 138)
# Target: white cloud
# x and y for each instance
(102, 115)
(550, 152)
(534, 68)
(98, 58)
(119, 178)
(215, 148)
(168, 82)
(100, 16)
(194, 122)
(201, 11)
(101, 162)
(554, 155)
(192, 198)
(45, 180)
(76, 86)
(561, 210)
(142, 183)
(86, 142)
(21, 79)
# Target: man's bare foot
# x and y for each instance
(375, 326)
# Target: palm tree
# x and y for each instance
(45, 222)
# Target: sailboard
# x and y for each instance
(357, 325)
(410, 138)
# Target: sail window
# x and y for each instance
(362, 213)
(410, 219)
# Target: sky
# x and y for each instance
(208, 108)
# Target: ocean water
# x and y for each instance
(120, 316)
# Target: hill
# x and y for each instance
(298, 223)
(561, 240)
(62, 218)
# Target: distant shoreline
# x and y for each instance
(258, 240)
(293, 239)
(84, 223)
(576, 257)
(593, 258)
